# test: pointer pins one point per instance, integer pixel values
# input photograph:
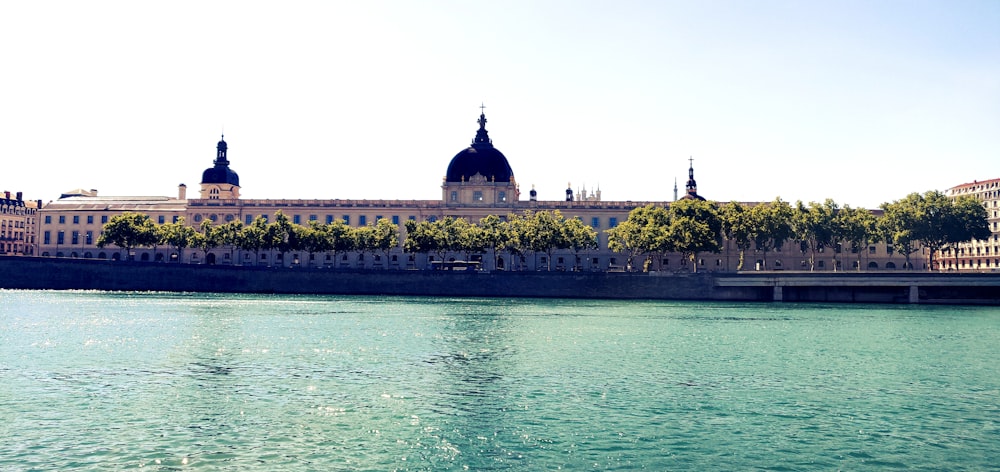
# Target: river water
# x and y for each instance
(160, 381)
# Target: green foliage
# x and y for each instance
(209, 237)
(695, 226)
(737, 227)
(177, 235)
(644, 232)
(129, 230)
(935, 220)
(772, 225)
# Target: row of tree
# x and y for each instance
(541, 232)
(131, 230)
(932, 220)
(687, 227)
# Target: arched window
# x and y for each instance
(873, 265)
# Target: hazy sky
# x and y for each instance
(862, 102)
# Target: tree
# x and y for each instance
(857, 227)
(543, 233)
(737, 226)
(207, 239)
(424, 237)
(771, 225)
(579, 237)
(695, 226)
(386, 236)
(253, 236)
(229, 235)
(898, 226)
(341, 237)
(496, 235)
(128, 231)
(969, 221)
(471, 238)
(281, 235)
(177, 235)
(316, 239)
(644, 232)
(814, 226)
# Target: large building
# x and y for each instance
(478, 181)
(18, 221)
(983, 254)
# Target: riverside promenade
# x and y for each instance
(838, 287)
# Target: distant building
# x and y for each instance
(18, 222)
(479, 181)
(978, 255)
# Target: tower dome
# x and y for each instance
(220, 173)
(219, 182)
(480, 158)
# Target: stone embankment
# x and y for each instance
(844, 287)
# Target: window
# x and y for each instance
(296, 219)
(502, 196)
(75, 237)
(412, 218)
(177, 218)
(249, 220)
(454, 196)
(329, 219)
(312, 217)
(62, 219)
(347, 220)
(161, 219)
(362, 220)
(90, 238)
(821, 264)
(395, 219)
(90, 219)
(197, 218)
(46, 238)
(60, 238)
(871, 249)
(378, 217)
(104, 219)
(477, 195)
(612, 222)
(595, 222)
(48, 219)
(76, 219)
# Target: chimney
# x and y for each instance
(182, 192)
(19, 196)
(6, 195)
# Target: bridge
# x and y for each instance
(904, 287)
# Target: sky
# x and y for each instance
(859, 101)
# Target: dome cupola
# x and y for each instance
(480, 158)
(480, 175)
(220, 173)
(219, 182)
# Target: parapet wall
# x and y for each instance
(64, 274)
(845, 287)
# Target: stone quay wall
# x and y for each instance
(44, 273)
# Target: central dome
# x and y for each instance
(480, 158)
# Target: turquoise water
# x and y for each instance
(156, 381)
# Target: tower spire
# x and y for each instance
(482, 137)
(220, 156)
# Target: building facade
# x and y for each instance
(479, 181)
(18, 225)
(977, 255)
